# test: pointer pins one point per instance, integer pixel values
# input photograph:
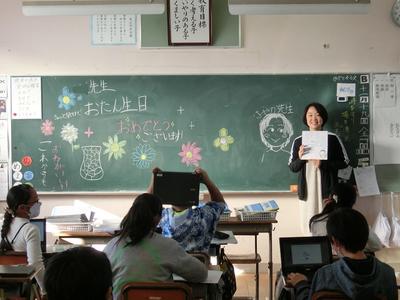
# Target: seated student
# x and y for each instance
(343, 195)
(138, 253)
(193, 228)
(355, 274)
(80, 273)
(17, 233)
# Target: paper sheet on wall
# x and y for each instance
(3, 140)
(386, 121)
(315, 145)
(384, 91)
(346, 90)
(114, 30)
(26, 96)
(3, 180)
(367, 184)
(3, 86)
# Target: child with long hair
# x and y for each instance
(17, 233)
(138, 253)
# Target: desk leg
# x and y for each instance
(270, 265)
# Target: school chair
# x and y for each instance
(20, 258)
(156, 291)
(13, 258)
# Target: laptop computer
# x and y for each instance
(177, 188)
(41, 224)
(304, 254)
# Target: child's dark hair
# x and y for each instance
(343, 195)
(349, 227)
(139, 221)
(320, 109)
(80, 273)
(17, 195)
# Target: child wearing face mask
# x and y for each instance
(17, 233)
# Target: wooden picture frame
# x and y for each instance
(189, 22)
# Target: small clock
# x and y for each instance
(396, 12)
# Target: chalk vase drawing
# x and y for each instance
(91, 168)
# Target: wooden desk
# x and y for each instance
(232, 224)
(21, 279)
(84, 237)
(252, 228)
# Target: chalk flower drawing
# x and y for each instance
(69, 133)
(224, 140)
(67, 99)
(114, 147)
(190, 154)
(143, 156)
(47, 127)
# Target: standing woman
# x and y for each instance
(316, 178)
(17, 233)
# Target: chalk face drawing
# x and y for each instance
(275, 132)
(143, 156)
(224, 140)
(68, 99)
(91, 168)
(47, 127)
(190, 154)
(69, 133)
(114, 148)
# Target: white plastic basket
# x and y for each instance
(73, 226)
(256, 216)
(225, 216)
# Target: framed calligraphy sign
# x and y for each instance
(189, 22)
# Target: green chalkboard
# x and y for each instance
(105, 133)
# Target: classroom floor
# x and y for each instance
(246, 286)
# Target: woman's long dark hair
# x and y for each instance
(343, 195)
(139, 221)
(16, 196)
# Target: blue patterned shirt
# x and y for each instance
(193, 228)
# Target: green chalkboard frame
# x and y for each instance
(225, 111)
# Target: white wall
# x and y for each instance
(271, 44)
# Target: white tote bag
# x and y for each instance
(395, 224)
(382, 227)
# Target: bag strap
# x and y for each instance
(6, 245)
(15, 236)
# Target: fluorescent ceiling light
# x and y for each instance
(91, 7)
(293, 7)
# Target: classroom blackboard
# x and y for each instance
(106, 133)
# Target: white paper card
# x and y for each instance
(3, 140)
(3, 181)
(346, 90)
(315, 145)
(213, 277)
(26, 98)
(367, 184)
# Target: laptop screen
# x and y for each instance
(41, 224)
(177, 188)
(304, 254)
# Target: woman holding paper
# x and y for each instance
(316, 177)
